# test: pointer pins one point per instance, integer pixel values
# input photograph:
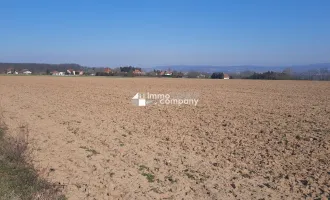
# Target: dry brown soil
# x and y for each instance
(245, 139)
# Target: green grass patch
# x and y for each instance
(18, 179)
(150, 177)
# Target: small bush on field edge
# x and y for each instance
(18, 179)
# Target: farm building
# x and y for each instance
(71, 72)
(137, 72)
(55, 73)
(107, 70)
(11, 71)
(27, 72)
(225, 76)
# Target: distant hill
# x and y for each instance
(39, 67)
(233, 69)
(304, 68)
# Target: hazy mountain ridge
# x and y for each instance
(240, 68)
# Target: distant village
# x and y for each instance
(128, 71)
(13, 71)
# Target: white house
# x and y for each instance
(168, 73)
(11, 71)
(225, 76)
(54, 73)
(27, 72)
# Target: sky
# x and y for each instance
(148, 33)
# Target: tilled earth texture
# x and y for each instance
(245, 139)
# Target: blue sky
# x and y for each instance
(165, 32)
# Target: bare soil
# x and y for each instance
(246, 139)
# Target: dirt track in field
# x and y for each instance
(244, 140)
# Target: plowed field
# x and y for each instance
(246, 139)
